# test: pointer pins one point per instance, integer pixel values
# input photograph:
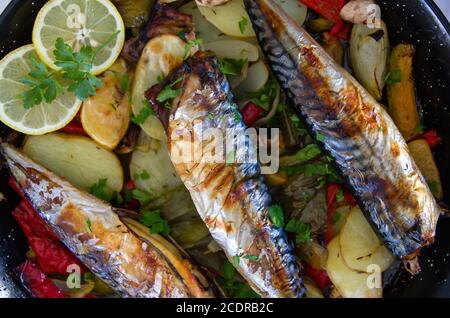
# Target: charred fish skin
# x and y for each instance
(232, 199)
(131, 267)
(368, 150)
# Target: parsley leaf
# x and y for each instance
(276, 215)
(231, 158)
(243, 24)
(189, 45)
(124, 83)
(420, 129)
(320, 137)
(142, 196)
(101, 190)
(154, 221)
(309, 152)
(252, 258)
(231, 66)
(144, 175)
(236, 260)
(394, 76)
(231, 285)
(168, 92)
(266, 95)
(42, 83)
(302, 230)
(340, 196)
(88, 226)
(144, 113)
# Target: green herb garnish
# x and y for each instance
(394, 76)
(144, 113)
(142, 196)
(88, 226)
(308, 153)
(243, 24)
(101, 190)
(189, 45)
(156, 223)
(276, 215)
(320, 137)
(340, 196)
(231, 66)
(302, 230)
(266, 95)
(229, 281)
(144, 175)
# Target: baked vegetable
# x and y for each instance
(421, 152)
(401, 92)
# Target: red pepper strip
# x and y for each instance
(74, 128)
(320, 277)
(332, 190)
(331, 10)
(52, 256)
(432, 137)
(251, 113)
(37, 282)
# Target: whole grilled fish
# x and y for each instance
(132, 267)
(368, 149)
(232, 199)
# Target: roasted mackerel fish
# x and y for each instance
(353, 128)
(231, 198)
(131, 266)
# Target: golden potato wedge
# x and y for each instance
(257, 77)
(360, 246)
(341, 215)
(76, 158)
(155, 161)
(421, 152)
(160, 56)
(231, 18)
(234, 49)
(401, 94)
(311, 289)
(106, 116)
(350, 283)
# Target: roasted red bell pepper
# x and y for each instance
(320, 277)
(38, 284)
(432, 137)
(51, 255)
(251, 113)
(331, 10)
(74, 128)
(332, 191)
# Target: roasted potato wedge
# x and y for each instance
(421, 152)
(156, 162)
(106, 116)
(160, 56)
(360, 246)
(234, 49)
(76, 158)
(231, 18)
(257, 77)
(401, 91)
(350, 283)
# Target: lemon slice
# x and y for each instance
(40, 119)
(96, 23)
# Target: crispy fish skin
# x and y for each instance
(368, 149)
(95, 234)
(232, 199)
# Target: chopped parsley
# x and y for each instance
(252, 258)
(231, 66)
(394, 76)
(88, 226)
(142, 196)
(320, 137)
(124, 83)
(236, 260)
(266, 95)
(189, 45)
(243, 23)
(302, 230)
(156, 223)
(101, 190)
(308, 153)
(144, 175)
(144, 113)
(276, 215)
(340, 196)
(229, 281)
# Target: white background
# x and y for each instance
(444, 4)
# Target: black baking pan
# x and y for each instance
(419, 22)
